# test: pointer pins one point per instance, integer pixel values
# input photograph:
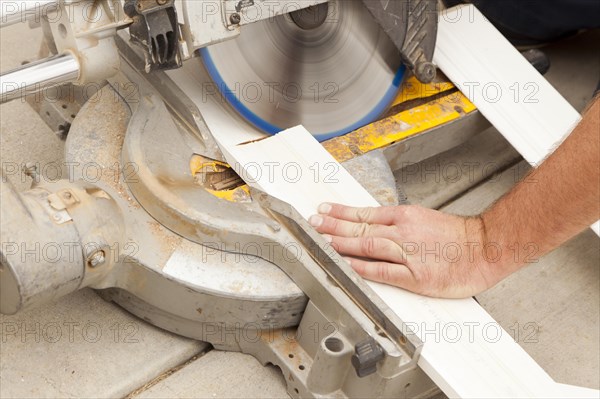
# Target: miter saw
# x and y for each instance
(152, 216)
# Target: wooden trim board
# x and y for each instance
(466, 353)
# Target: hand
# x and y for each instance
(418, 249)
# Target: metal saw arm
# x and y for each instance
(80, 34)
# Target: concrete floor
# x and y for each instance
(552, 307)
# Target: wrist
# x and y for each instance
(502, 249)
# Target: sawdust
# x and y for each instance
(103, 123)
(168, 240)
(110, 160)
(124, 193)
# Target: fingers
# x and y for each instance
(379, 215)
(368, 247)
(342, 228)
(383, 272)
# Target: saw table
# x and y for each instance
(208, 292)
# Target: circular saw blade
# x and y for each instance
(332, 78)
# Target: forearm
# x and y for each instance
(556, 201)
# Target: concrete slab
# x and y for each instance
(25, 137)
(553, 309)
(82, 346)
(221, 375)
